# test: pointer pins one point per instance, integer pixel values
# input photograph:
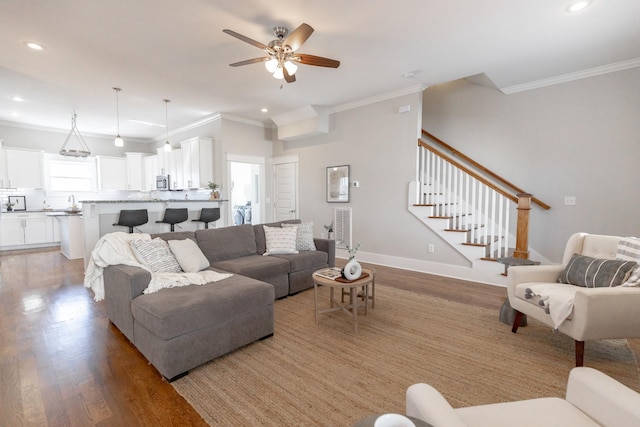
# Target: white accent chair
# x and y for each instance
(598, 313)
(592, 399)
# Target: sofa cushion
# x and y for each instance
(224, 243)
(189, 255)
(255, 266)
(304, 237)
(177, 311)
(156, 255)
(175, 235)
(305, 260)
(261, 244)
(280, 240)
(591, 272)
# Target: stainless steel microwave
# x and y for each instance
(162, 182)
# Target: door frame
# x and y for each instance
(240, 158)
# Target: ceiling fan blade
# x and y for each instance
(250, 61)
(247, 40)
(298, 37)
(316, 60)
(290, 78)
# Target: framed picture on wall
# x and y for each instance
(338, 184)
(18, 203)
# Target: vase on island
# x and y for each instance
(352, 270)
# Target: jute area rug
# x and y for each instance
(328, 375)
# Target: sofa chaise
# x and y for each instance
(180, 328)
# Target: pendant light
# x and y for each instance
(167, 145)
(119, 142)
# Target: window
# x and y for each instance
(70, 175)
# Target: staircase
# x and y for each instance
(468, 206)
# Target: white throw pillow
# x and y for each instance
(189, 255)
(304, 238)
(280, 240)
(156, 255)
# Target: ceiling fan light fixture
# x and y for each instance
(291, 67)
(271, 65)
(278, 73)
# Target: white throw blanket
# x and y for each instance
(556, 300)
(114, 248)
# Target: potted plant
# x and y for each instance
(215, 194)
(9, 206)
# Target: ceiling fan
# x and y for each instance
(282, 56)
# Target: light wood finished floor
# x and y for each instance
(63, 364)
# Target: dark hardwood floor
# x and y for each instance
(62, 363)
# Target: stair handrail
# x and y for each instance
(477, 166)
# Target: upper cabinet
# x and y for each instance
(197, 160)
(112, 173)
(175, 169)
(24, 168)
(135, 171)
(151, 171)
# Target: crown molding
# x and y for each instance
(382, 97)
(66, 131)
(564, 78)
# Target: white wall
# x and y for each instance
(380, 145)
(580, 138)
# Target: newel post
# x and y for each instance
(522, 229)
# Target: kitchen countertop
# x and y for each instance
(49, 212)
(154, 201)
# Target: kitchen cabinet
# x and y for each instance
(4, 178)
(27, 229)
(135, 171)
(24, 168)
(197, 161)
(151, 170)
(176, 169)
(112, 173)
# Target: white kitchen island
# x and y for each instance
(100, 215)
(71, 233)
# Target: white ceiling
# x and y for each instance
(175, 49)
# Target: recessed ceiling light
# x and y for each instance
(14, 114)
(264, 110)
(577, 6)
(34, 45)
(17, 98)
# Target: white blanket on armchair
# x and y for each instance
(557, 300)
(114, 248)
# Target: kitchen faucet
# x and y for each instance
(72, 199)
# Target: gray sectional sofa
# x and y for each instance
(180, 328)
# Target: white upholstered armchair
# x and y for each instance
(592, 399)
(593, 313)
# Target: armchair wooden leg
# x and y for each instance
(579, 353)
(516, 321)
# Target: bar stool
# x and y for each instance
(208, 215)
(174, 216)
(132, 218)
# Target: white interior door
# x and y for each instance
(285, 184)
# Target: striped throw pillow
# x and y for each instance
(156, 255)
(629, 250)
(590, 272)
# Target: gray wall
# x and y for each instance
(580, 138)
(380, 145)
